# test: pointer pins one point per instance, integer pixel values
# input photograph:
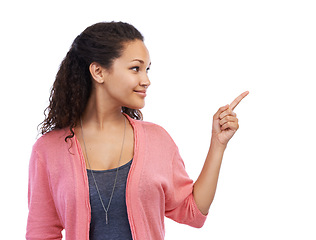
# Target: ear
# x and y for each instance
(97, 72)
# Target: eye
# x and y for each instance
(136, 69)
(147, 70)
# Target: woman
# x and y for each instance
(98, 171)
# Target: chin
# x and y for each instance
(135, 106)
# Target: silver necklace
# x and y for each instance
(95, 183)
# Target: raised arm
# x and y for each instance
(225, 124)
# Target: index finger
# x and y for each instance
(238, 99)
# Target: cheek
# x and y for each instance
(126, 78)
(121, 85)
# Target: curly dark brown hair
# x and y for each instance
(102, 43)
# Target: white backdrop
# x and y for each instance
(204, 54)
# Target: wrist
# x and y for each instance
(215, 143)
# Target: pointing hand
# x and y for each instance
(225, 122)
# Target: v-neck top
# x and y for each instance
(118, 227)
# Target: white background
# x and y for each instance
(204, 54)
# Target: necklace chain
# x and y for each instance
(95, 183)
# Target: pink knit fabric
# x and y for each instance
(157, 186)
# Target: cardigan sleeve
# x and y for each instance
(43, 221)
(180, 205)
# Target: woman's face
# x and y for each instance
(127, 81)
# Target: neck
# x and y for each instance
(101, 113)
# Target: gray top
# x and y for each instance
(118, 227)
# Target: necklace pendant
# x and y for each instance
(106, 218)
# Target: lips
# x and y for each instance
(141, 92)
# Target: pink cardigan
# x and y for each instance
(157, 186)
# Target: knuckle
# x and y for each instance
(222, 108)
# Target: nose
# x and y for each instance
(145, 82)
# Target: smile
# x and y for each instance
(141, 93)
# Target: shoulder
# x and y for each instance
(52, 140)
(155, 133)
(155, 128)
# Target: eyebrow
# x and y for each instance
(141, 61)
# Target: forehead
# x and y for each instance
(135, 50)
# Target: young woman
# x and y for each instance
(98, 171)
